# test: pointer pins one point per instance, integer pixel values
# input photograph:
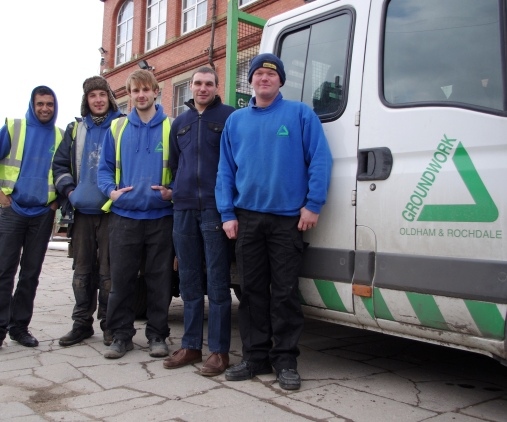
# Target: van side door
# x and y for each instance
(433, 115)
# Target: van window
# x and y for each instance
(443, 52)
(315, 58)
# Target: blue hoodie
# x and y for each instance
(86, 196)
(141, 168)
(30, 194)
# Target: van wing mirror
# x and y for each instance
(374, 164)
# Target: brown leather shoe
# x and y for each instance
(215, 364)
(182, 357)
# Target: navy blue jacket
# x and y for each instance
(194, 155)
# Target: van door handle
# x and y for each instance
(374, 164)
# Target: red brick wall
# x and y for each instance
(180, 54)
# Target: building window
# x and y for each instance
(245, 2)
(124, 30)
(194, 14)
(181, 94)
(156, 16)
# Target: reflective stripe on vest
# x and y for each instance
(10, 166)
(117, 127)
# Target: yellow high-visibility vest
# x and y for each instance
(10, 166)
(117, 127)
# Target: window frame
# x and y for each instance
(178, 108)
(244, 3)
(159, 27)
(194, 7)
(301, 26)
(128, 23)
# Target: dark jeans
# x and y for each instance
(17, 234)
(129, 239)
(269, 252)
(90, 246)
(197, 232)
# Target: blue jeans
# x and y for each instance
(23, 241)
(199, 239)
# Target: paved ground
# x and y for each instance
(348, 375)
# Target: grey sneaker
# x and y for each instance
(118, 349)
(158, 348)
(108, 337)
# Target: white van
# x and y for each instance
(411, 93)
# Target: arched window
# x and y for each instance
(156, 16)
(124, 30)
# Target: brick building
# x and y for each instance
(173, 38)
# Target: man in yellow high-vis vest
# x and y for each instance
(134, 174)
(28, 201)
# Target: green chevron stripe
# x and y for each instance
(368, 304)
(488, 318)
(427, 311)
(381, 309)
(329, 295)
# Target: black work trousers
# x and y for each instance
(129, 239)
(91, 280)
(269, 252)
(23, 241)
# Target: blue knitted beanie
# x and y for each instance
(269, 61)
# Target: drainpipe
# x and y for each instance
(213, 24)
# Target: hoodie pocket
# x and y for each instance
(31, 191)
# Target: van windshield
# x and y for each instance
(443, 52)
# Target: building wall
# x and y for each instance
(175, 61)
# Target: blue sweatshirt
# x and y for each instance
(273, 160)
(30, 194)
(86, 197)
(141, 168)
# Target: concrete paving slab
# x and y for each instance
(169, 410)
(452, 417)
(122, 407)
(11, 410)
(493, 410)
(104, 398)
(360, 406)
(68, 417)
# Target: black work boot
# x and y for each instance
(76, 335)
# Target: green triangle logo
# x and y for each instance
(283, 131)
(52, 149)
(159, 147)
(483, 211)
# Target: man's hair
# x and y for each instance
(42, 90)
(141, 77)
(206, 69)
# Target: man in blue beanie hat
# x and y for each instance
(272, 181)
(267, 61)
